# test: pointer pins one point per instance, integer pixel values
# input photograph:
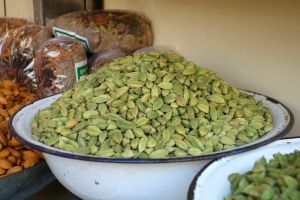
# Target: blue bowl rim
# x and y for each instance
(213, 155)
(190, 194)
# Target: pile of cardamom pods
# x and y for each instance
(278, 179)
(152, 105)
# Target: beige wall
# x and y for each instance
(20, 8)
(254, 44)
(2, 12)
(17, 8)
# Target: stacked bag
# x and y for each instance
(84, 41)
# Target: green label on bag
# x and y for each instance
(81, 69)
(61, 32)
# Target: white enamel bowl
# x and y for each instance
(92, 178)
(211, 183)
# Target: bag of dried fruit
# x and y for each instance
(59, 64)
(103, 30)
(17, 50)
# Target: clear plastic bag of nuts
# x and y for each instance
(103, 30)
(9, 23)
(157, 48)
(100, 59)
(59, 64)
(17, 50)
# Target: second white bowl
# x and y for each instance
(211, 183)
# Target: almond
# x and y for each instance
(38, 153)
(4, 126)
(8, 135)
(15, 153)
(3, 112)
(14, 170)
(14, 109)
(4, 153)
(5, 164)
(2, 171)
(3, 101)
(3, 140)
(12, 159)
(14, 143)
(29, 162)
(29, 154)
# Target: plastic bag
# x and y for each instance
(104, 30)
(8, 23)
(99, 60)
(59, 64)
(17, 50)
(157, 48)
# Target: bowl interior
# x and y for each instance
(204, 185)
(21, 128)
